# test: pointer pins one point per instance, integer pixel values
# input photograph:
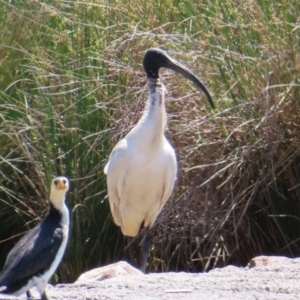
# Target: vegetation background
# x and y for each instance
(72, 85)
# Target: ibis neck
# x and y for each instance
(155, 112)
(154, 118)
(149, 132)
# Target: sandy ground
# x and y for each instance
(277, 280)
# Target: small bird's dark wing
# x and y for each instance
(32, 255)
(25, 244)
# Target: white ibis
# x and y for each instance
(142, 167)
(34, 259)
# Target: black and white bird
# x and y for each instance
(36, 256)
(142, 167)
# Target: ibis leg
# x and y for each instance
(146, 246)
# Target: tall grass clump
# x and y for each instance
(238, 192)
(233, 200)
(72, 85)
(54, 121)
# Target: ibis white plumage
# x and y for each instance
(142, 167)
(35, 257)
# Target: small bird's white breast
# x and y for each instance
(41, 281)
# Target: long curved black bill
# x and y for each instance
(156, 58)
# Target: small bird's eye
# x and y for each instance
(64, 181)
(56, 182)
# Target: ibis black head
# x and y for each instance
(156, 58)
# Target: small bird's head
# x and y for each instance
(59, 188)
(156, 58)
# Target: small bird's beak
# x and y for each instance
(59, 185)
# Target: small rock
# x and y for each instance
(121, 268)
(260, 261)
